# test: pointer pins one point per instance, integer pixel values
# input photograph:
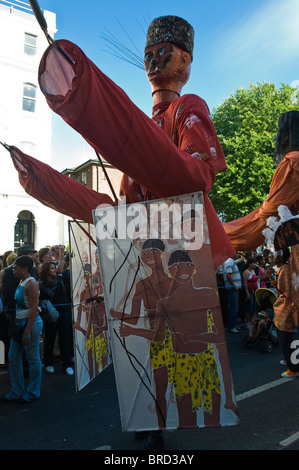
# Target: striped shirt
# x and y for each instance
(230, 267)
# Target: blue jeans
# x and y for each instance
(252, 306)
(233, 307)
(15, 365)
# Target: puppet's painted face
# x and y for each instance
(156, 59)
(182, 272)
(163, 65)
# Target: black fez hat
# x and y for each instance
(171, 29)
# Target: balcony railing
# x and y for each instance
(18, 4)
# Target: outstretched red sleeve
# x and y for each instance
(57, 191)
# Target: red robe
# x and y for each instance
(178, 156)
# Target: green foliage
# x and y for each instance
(246, 124)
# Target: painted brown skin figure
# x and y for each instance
(95, 320)
(190, 334)
(148, 291)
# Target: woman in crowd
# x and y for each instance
(250, 283)
(285, 311)
(26, 315)
(261, 270)
(52, 288)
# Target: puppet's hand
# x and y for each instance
(125, 330)
(115, 314)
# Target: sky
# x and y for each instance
(237, 42)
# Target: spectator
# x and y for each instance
(271, 260)
(266, 253)
(4, 259)
(11, 258)
(9, 261)
(56, 253)
(46, 255)
(250, 283)
(261, 271)
(233, 284)
(36, 261)
(27, 250)
(262, 320)
(222, 293)
(285, 314)
(241, 263)
(271, 271)
(3, 266)
(10, 282)
(66, 276)
(52, 288)
(26, 315)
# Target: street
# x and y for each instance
(89, 420)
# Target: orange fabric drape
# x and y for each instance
(246, 233)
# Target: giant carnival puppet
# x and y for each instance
(175, 153)
(182, 376)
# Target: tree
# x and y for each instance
(246, 124)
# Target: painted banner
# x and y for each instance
(89, 316)
(167, 337)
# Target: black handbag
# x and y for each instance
(48, 312)
(18, 331)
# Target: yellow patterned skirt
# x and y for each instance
(98, 346)
(189, 373)
(197, 374)
(161, 354)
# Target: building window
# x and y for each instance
(29, 92)
(24, 230)
(84, 178)
(30, 44)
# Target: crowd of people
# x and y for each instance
(27, 278)
(260, 289)
(238, 278)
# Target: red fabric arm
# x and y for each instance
(55, 190)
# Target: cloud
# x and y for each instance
(268, 38)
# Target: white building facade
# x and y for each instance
(26, 123)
